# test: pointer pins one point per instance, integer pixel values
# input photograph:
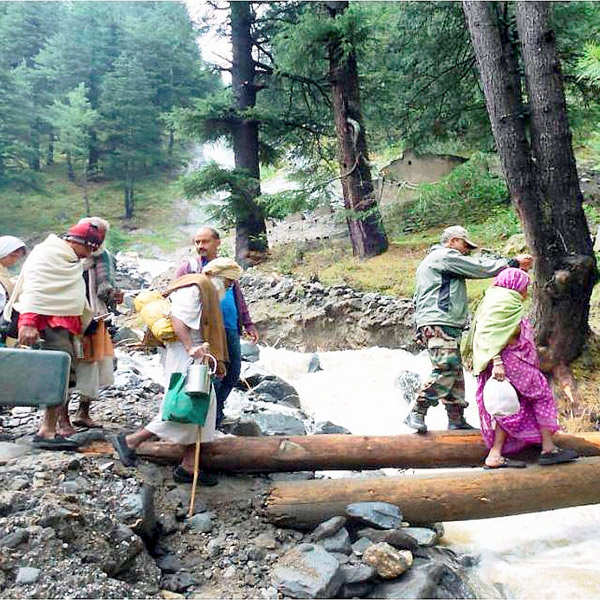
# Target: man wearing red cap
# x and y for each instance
(50, 297)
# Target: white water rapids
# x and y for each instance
(546, 555)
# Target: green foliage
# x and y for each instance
(116, 240)
(282, 204)
(212, 179)
(469, 194)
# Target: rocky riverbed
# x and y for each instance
(81, 525)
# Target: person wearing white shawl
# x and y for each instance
(50, 297)
(12, 249)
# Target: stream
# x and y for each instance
(551, 554)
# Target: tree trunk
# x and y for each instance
(70, 172)
(93, 155)
(251, 231)
(447, 497)
(551, 215)
(566, 271)
(272, 454)
(50, 152)
(362, 213)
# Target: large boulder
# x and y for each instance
(308, 571)
(250, 351)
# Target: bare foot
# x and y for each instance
(65, 430)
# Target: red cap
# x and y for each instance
(86, 234)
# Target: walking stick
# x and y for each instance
(196, 465)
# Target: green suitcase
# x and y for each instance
(33, 377)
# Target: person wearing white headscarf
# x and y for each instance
(12, 249)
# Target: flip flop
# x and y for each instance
(86, 425)
(126, 454)
(507, 463)
(560, 455)
(58, 442)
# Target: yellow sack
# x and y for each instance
(155, 312)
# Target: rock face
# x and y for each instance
(387, 561)
(307, 316)
(308, 571)
(377, 514)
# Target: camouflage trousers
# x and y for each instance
(446, 382)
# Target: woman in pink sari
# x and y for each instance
(504, 347)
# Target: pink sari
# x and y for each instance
(538, 409)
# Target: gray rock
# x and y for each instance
(265, 540)
(252, 375)
(201, 522)
(425, 579)
(250, 351)
(338, 542)
(356, 590)
(308, 571)
(315, 364)
(328, 528)
(19, 483)
(280, 390)
(295, 476)
(361, 545)
(377, 514)
(169, 563)
(12, 540)
(8, 451)
(327, 427)
(178, 582)
(358, 573)
(138, 513)
(394, 537)
(246, 427)
(278, 424)
(70, 487)
(27, 575)
(423, 535)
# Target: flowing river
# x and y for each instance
(551, 554)
(548, 555)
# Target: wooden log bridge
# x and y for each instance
(459, 496)
(346, 452)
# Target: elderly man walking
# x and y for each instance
(95, 369)
(441, 314)
(50, 297)
(198, 324)
(233, 306)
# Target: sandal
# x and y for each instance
(126, 454)
(58, 442)
(507, 463)
(557, 456)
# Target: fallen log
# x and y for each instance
(476, 494)
(346, 452)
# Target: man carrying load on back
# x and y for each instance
(50, 297)
(441, 314)
(197, 322)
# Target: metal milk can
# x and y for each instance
(199, 376)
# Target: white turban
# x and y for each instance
(9, 243)
(223, 267)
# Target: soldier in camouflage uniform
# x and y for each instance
(441, 315)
